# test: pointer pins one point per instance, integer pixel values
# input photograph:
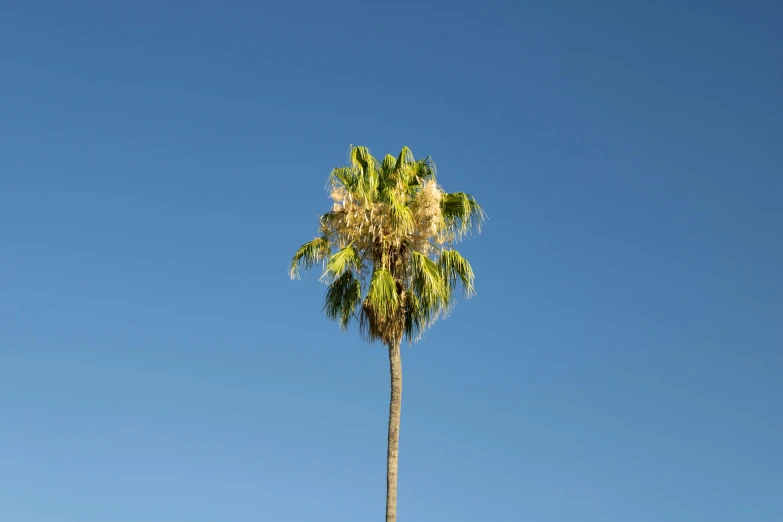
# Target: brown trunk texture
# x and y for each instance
(395, 405)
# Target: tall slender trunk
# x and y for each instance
(395, 405)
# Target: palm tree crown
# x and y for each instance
(387, 246)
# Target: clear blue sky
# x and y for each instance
(161, 161)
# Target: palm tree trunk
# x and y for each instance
(395, 405)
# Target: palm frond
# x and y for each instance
(429, 284)
(368, 166)
(416, 319)
(343, 176)
(345, 259)
(461, 213)
(400, 214)
(387, 174)
(403, 158)
(388, 164)
(327, 222)
(456, 268)
(424, 170)
(382, 294)
(308, 255)
(361, 157)
(342, 298)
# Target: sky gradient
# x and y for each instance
(160, 163)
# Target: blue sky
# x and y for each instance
(161, 161)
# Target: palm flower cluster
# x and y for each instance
(387, 246)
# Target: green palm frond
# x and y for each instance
(387, 175)
(461, 212)
(400, 214)
(403, 158)
(428, 283)
(424, 170)
(308, 255)
(345, 177)
(361, 157)
(416, 318)
(456, 268)
(382, 295)
(328, 222)
(342, 298)
(367, 175)
(389, 162)
(345, 259)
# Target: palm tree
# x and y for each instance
(387, 251)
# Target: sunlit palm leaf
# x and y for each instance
(428, 282)
(400, 214)
(342, 298)
(389, 162)
(457, 269)
(345, 259)
(405, 156)
(416, 319)
(367, 178)
(308, 255)
(423, 170)
(382, 295)
(345, 177)
(461, 213)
